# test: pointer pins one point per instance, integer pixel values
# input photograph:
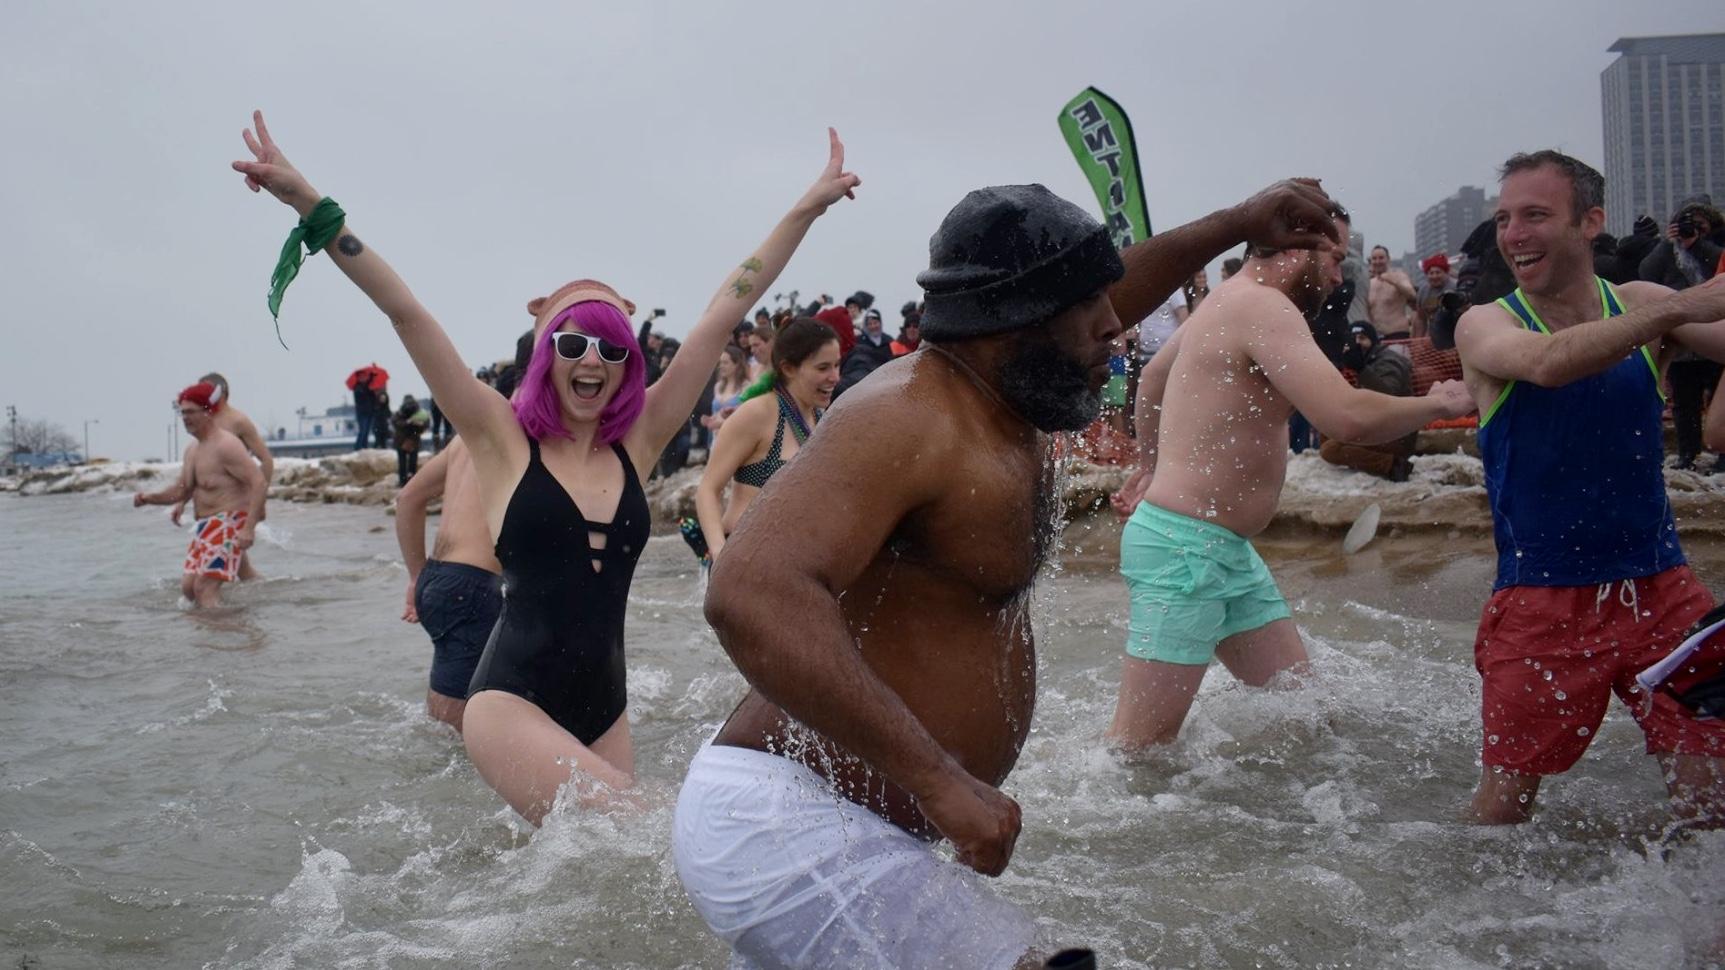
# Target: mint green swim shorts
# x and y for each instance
(1193, 584)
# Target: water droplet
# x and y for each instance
(1582, 732)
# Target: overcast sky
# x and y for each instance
(493, 155)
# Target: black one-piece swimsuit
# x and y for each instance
(559, 639)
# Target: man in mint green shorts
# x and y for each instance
(1212, 421)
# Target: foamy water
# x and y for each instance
(259, 787)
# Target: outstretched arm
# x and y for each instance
(474, 408)
(1281, 345)
(1293, 214)
(1492, 343)
(673, 396)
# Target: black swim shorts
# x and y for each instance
(458, 605)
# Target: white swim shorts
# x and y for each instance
(794, 875)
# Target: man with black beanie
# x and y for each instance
(895, 656)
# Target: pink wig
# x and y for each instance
(536, 403)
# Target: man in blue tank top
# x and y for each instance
(1592, 586)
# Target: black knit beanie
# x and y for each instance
(1011, 256)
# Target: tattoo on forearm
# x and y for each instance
(741, 287)
(349, 245)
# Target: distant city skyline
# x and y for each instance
(1443, 227)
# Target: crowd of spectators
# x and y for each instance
(1380, 328)
(1385, 331)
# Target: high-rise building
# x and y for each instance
(1664, 105)
(1445, 226)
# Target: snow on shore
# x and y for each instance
(1446, 492)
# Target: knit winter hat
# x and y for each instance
(1012, 256)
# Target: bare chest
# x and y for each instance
(992, 531)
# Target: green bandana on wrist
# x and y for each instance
(315, 231)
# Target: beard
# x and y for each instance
(1047, 388)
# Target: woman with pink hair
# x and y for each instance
(560, 471)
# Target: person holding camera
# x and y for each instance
(1690, 251)
(1688, 256)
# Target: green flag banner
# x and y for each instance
(1101, 139)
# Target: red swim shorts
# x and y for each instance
(1551, 656)
(213, 551)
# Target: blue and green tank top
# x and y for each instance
(1575, 474)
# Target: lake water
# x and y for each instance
(259, 787)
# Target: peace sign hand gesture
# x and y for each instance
(272, 172)
(835, 183)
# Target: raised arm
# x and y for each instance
(811, 668)
(1493, 343)
(673, 397)
(474, 408)
(1403, 285)
(410, 505)
(1281, 345)
(1292, 214)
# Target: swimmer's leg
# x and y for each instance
(1697, 786)
(1155, 697)
(526, 757)
(206, 591)
(1503, 797)
(246, 570)
(188, 587)
(1255, 657)
(442, 707)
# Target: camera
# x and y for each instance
(1686, 227)
(1441, 327)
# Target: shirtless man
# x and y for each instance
(1390, 298)
(457, 593)
(1212, 414)
(893, 668)
(1592, 587)
(235, 421)
(227, 495)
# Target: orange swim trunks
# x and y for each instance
(213, 551)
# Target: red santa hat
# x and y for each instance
(204, 394)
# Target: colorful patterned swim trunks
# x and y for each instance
(213, 551)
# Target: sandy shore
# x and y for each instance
(1446, 493)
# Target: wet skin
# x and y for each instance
(942, 486)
